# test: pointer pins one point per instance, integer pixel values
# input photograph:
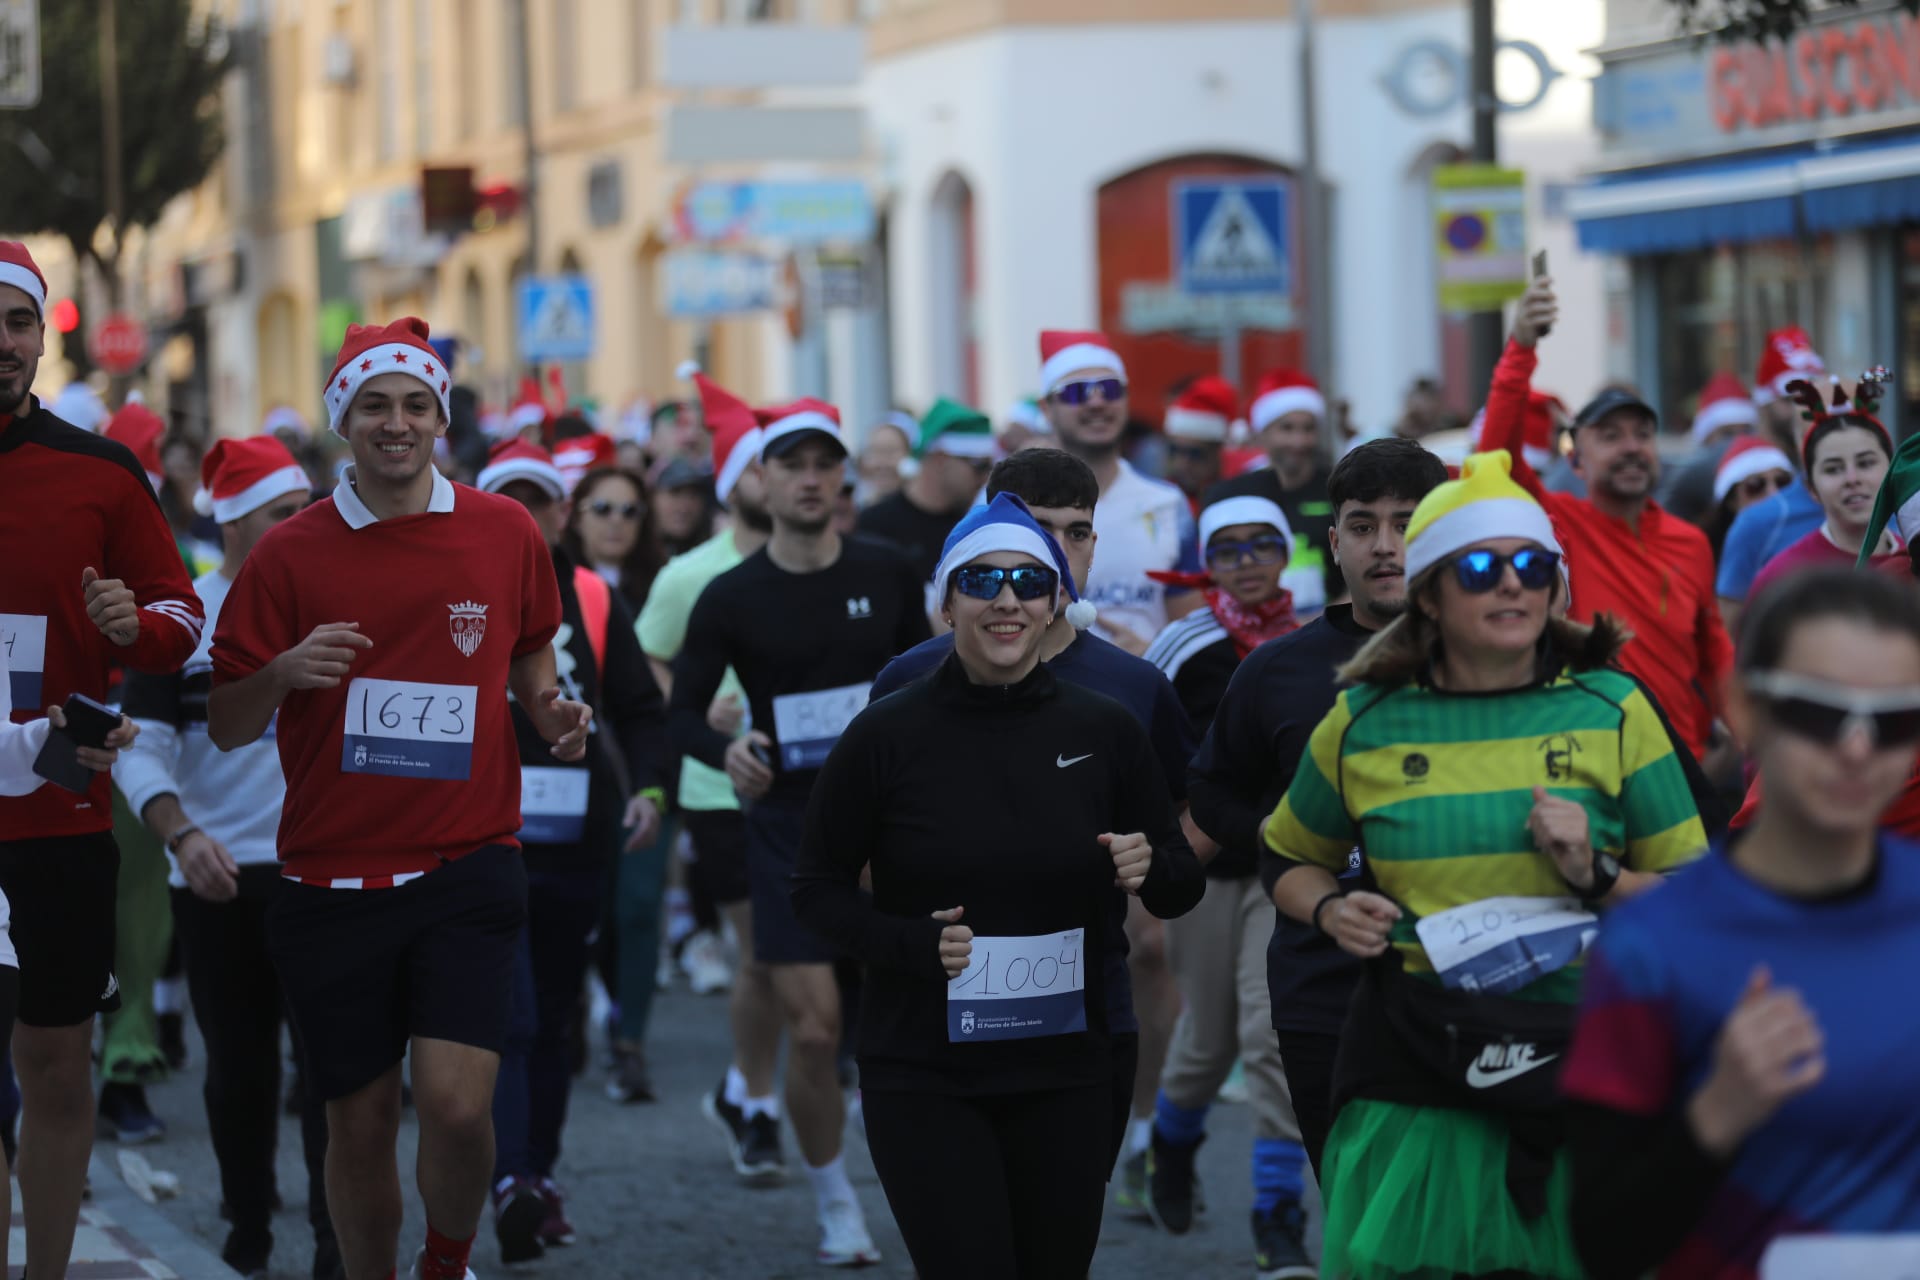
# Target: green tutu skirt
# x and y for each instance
(1420, 1193)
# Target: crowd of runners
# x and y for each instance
(1020, 800)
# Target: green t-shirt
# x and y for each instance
(662, 628)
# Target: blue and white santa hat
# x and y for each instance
(1005, 524)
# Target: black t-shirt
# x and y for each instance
(1307, 508)
(991, 798)
(918, 533)
(806, 647)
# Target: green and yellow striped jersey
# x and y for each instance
(1435, 790)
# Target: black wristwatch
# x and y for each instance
(1606, 874)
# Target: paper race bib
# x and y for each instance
(1020, 988)
(1498, 945)
(23, 638)
(409, 729)
(1858, 1257)
(553, 804)
(806, 725)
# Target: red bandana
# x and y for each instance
(1248, 627)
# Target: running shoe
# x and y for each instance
(1130, 1188)
(518, 1211)
(752, 1144)
(125, 1116)
(555, 1231)
(1170, 1183)
(1280, 1243)
(413, 1272)
(705, 960)
(247, 1252)
(631, 1082)
(844, 1241)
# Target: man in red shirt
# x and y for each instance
(385, 626)
(92, 581)
(1625, 555)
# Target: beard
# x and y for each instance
(752, 515)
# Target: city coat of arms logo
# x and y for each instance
(467, 622)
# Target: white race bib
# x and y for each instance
(1019, 988)
(409, 729)
(23, 638)
(1498, 945)
(1860, 1257)
(806, 725)
(553, 804)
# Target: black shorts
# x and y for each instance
(62, 890)
(366, 970)
(773, 833)
(720, 852)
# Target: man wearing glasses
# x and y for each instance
(1196, 427)
(1143, 524)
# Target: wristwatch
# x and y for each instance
(1606, 874)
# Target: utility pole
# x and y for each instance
(530, 154)
(1317, 272)
(1483, 327)
(110, 144)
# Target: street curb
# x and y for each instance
(185, 1255)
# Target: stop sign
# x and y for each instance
(119, 344)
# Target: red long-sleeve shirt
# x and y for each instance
(71, 500)
(1657, 577)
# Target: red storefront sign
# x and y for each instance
(1823, 73)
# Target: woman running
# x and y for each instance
(1501, 784)
(1743, 1068)
(996, 808)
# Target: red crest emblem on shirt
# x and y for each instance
(467, 623)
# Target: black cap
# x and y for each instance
(1612, 400)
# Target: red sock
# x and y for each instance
(445, 1259)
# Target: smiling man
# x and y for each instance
(382, 630)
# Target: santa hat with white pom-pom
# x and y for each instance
(1005, 524)
(241, 476)
(735, 430)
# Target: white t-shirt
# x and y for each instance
(1144, 524)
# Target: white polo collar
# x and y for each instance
(346, 500)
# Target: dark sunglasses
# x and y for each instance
(1268, 548)
(625, 510)
(1077, 393)
(1479, 572)
(1767, 482)
(1827, 713)
(983, 581)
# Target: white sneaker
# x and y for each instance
(414, 1270)
(704, 959)
(844, 1241)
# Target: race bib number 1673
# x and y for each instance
(408, 729)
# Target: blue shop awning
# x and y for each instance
(1820, 188)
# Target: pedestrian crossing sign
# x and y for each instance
(555, 318)
(1233, 235)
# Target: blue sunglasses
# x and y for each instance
(983, 581)
(1078, 393)
(1479, 572)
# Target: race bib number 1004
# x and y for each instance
(1019, 988)
(407, 729)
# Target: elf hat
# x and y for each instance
(735, 431)
(1898, 502)
(514, 459)
(1204, 411)
(1005, 524)
(1243, 510)
(373, 349)
(17, 269)
(1065, 351)
(1284, 391)
(1788, 355)
(239, 476)
(1747, 457)
(577, 455)
(1483, 503)
(955, 430)
(784, 426)
(1724, 402)
(140, 428)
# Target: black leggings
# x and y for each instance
(1307, 1058)
(1009, 1186)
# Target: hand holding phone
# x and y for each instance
(1539, 273)
(85, 740)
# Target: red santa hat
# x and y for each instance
(529, 409)
(735, 431)
(17, 269)
(1285, 391)
(140, 428)
(1204, 411)
(283, 418)
(1065, 351)
(580, 454)
(1724, 402)
(373, 349)
(783, 426)
(515, 459)
(1745, 458)
(1788, 355)
(241, 476)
